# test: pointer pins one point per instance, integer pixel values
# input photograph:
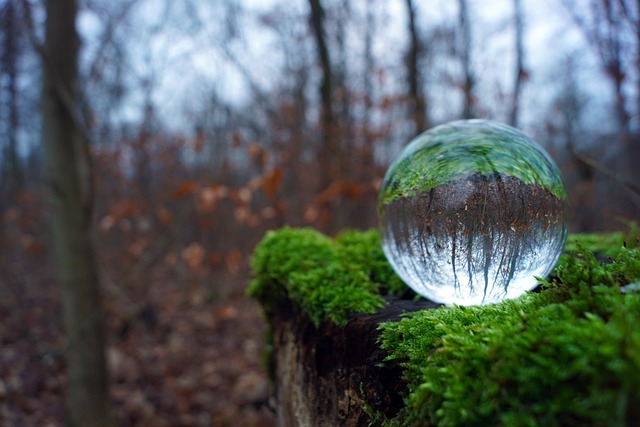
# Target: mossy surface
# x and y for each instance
(604, 244)
(567, 355)
(326, 278)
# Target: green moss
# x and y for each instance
(325, 278)
(363, 251)
(605, 244)
(567, 355)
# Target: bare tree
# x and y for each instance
(329, 153)
(520, 71)
(103, 79)
(465, 58)
(368, 62)
(317, 22)
(12, 175)
(634, 20)
(326, 86)
(601, 23)
(65, 150)
(414, 54)
(612, 27)
(340, 71)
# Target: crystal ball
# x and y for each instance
(471, 212)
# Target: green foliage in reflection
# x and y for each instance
(569, 355)
(458, 149)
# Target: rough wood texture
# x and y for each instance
(64, 151)
(322, 373)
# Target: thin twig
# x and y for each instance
(630, 186)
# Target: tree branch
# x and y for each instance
(630, 186)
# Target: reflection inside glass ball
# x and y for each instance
(471, 212)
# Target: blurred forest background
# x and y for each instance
(207, 123)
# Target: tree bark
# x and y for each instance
(519, 71)
(465, 57)
(326, 376)
(326, 85)
(10, 55)
(317, 21)
(417, 100)
(64, 149)
(329, 158)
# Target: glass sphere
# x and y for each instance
(471, 212)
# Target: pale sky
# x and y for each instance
(187, 65)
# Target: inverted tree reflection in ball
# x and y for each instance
(471, 212)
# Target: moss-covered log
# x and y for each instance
(342, 353)
(322, 374)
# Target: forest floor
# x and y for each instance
(188, 355)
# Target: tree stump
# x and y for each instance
(534, 360)
(327, 376)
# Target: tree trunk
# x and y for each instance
(465, 57)
(519, 71)
(637, 61)
(612, 54)
(329, 152)
(326, 89)
(605, 33)
(326, 376)
(63, 140)
(418, 108)
(12, 178)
